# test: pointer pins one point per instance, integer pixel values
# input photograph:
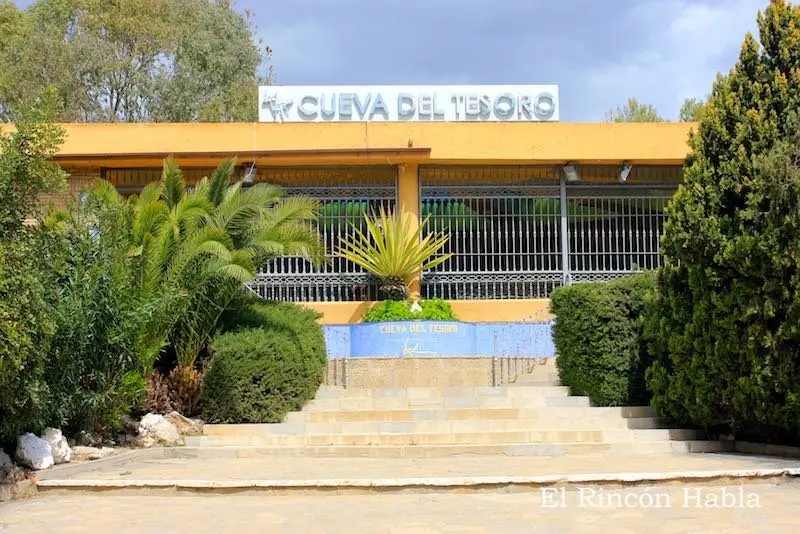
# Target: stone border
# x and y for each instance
(427, 485)
(764, 449)
(119, 459)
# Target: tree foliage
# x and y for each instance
(691, 110)
(727, 317)
(26, 328)
(634, 111)
(194, 250)
(26, 165)
(133, 60)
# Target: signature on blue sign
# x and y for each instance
(414, 350)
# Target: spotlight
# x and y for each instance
(571, 172)
(625, 172)
(249, 176)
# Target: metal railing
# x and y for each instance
(521, 231)
(503, 224)
(513, 354)
(345, 195)
(615, 229)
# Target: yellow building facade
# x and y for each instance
(528, 205)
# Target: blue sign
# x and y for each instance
(412, 339)
(438, 339)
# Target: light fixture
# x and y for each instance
(249, 176)
(625, 172)
(571, 172)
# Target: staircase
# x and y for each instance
(531, 417)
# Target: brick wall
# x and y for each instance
(78, 179)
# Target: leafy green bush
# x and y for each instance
(726, 321)
(26, 328)
(269, 361)
(258, 375)
(598, 334)
(93, 369)
(394, 310)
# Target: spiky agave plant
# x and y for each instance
(394, 250)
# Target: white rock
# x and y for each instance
(185, 426)
(155, 430)
(81, 453)
(34, 452)
(6, 465)
(58, 445)
(416, 307)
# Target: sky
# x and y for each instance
(599, 52)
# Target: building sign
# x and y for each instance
(435, 103)
(412, 339)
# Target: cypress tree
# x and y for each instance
(725, 323)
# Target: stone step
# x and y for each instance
(431, 425)
(441, 451)
(397, 434)
(514, 390)
(425, 433)
(402, 403)
(652, 434)
(459, 414)
(542, 379)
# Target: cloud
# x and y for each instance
(599, 52)
(689, 44)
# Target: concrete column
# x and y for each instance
(408, 202)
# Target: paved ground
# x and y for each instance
(302, 468)
(634, 511)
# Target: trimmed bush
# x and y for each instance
(394, 310)
(258, 376)
(298, 321)
(270, 361)
(598, 334)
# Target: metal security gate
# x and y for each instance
(346, 194)
(504, 227)
(519, 232)
(614, 230)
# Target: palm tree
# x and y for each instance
(393, 250)
(196, 249)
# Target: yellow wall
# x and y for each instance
(490, 143)
(487, 311)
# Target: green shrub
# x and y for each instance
(268, 360)
(298, 321)
(598, 333)
(394, 310)
(727, 314)
(93, 369)
(26, 328)
(258, 375)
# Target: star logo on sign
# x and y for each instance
(279, 109)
